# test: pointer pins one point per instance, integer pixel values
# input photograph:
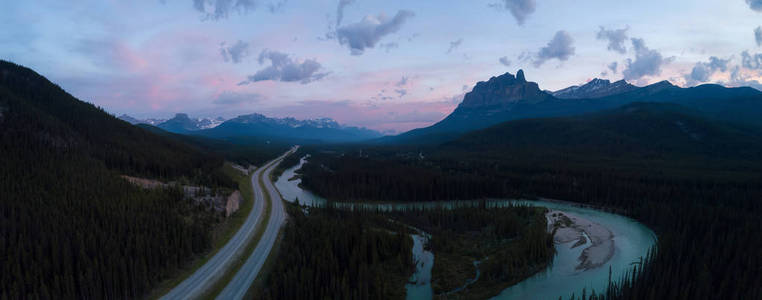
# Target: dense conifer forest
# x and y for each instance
(704, 206)
(70, 227)
(366, 254)
(335, 254)
(245, 151)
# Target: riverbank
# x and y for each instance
(567, 227)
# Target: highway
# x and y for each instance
(238, 286)
(195, 285)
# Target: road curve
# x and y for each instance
(238, 286)
(195, 285)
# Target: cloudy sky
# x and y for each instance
(389, 65)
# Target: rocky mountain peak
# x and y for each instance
(596, 88)
(663, 84)
(503, 90)
(128, 119)
(254, 117)
(181, 116)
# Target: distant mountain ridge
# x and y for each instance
(129, 119)
(507, 97)
(180, 123)
(135, 121)
(290, 122)
(596, 88)
(258, 125)
(261, 126)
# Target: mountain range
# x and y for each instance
(180, 123)
(502, 98)
(322, 130)
(260, 126)
(508, 97)
(596, 88)
(136, 121)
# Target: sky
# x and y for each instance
(387, 65)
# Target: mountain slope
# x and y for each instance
(638, 130)
(79, 126)
(70, 226)
(241, 150)
(180, 123)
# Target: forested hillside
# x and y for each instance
(241, 150)
(694, 181)
(43, 110)
(645, 131)
(70, 227)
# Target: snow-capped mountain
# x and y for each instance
(258, 125)
(129, 119)
(322, 129)
(153, 122)
(596, 88)
(180, 123)
(290, 122)
(135, 121)
(206, 123)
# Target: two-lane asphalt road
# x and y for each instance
(237, 287)
(196, 284)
